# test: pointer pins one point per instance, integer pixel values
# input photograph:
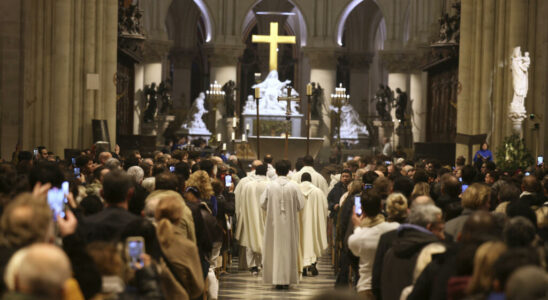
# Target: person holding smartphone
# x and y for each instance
(363, 242)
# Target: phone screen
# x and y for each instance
(388, 162)
(73, 161)
(135, 249)
(358, 205)
(349, 158)
(228, 180)
(35, 152)
(527, 173)
(172, 169)
(540, 160)
(77, 172)
(57, 199)
(464, 187)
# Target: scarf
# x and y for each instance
(371, 222)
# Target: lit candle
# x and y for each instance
(247, 126)
(309, 89)
(244, 138)
(234, 122)
(233, 135)
(218, 137)
(257, 93)
(224, 146)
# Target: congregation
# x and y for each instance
(168, 225)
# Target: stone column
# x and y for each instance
(60, 76)
(359, 81)
(182, 63)
(109, 66)
(323, 70)
(223, 66)
(417, 94)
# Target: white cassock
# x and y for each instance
(251, 232)
(317, 179)
(237, 200)
(282, 201)
(313, 223)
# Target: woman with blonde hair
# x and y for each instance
(396, 208)
(182, 276)
(483, 275)
(420, 189)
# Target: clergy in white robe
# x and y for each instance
(317, 179)
(253, 218)
(282, 201)
(238, 196)
(313, 222)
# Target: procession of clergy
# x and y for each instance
(281, 220)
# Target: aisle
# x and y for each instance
(243, 285)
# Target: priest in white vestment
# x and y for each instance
(238, 196)
(313, 224)
(317, 179)
(282, 201)
(252, 219)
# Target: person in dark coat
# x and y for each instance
(425, 226)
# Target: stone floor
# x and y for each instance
(239, 284)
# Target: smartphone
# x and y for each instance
(57, 199)
(527, 173)
(388, 162)
(172, 169)
(367, 186)
(358, 205)
(460, 179)
(540, 160)
(135, 246)
(35, 152)
(77, 172)
(74, 161)
(464, 187)
(228, 180)
(349, 158)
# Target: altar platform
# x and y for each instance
(273, 125)
(274, 145)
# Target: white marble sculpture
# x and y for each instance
(351, 125)
(519, 67)
(194, 122)
(272, 88)
(250, 105)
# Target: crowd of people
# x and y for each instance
(167, 226)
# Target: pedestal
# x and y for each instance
(314, 128)
(385, 129)
(276, 145)
(272, 125)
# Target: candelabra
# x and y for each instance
(214, 96)
(338, 100)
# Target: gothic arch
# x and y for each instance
(188, 20)
(297, 23)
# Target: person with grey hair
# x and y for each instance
(393, 269)
(113, 164)
(529, 282)
(43, 274)
(136, 173)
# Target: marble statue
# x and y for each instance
(230, 90)
(272, 88)
(250, 105)
(519, 67)
(317, 98)
(194, 122)
(151, 96)
(351, 125)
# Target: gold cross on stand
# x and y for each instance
(273, 39)
(288, 99)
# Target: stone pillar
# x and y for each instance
(359, 81)
(182, 71)
(417, 94)
(223, 66)
(323, 70)
(110, 60)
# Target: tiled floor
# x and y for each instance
(242, 285)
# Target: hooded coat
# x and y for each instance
(399, 262)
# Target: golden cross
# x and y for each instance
(273, 39)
